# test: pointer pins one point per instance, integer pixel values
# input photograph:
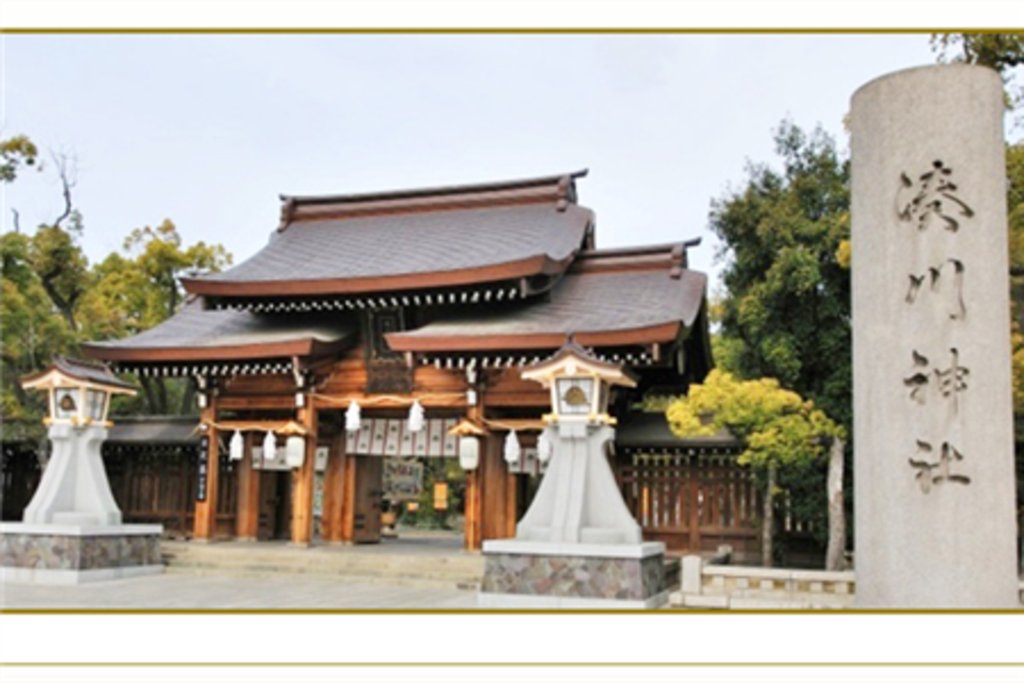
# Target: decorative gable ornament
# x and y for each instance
(512, 448)
(353, 417)
(544, 447)
(416, 417)
(236, 447)
(295, 451)
(270, 446)
(469, 434)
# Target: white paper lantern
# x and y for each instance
(416, 417)
(352, 417)
(512, 449)
(269, 446)
(236, 447)
(469, 452)
(544, 446)
(295, 451)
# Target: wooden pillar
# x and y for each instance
(473, 530)
(247, 521)
(511, 504)
(494, 491)
(334, 492)
(348, 499)
(472, 523)
(205, 524)
(303, 482)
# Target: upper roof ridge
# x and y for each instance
(671, 256)
(560, 189)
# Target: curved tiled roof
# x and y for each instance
(598, 308)
(385, 242)
(196, 334)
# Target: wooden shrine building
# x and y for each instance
(434, 297)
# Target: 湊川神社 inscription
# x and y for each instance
(933, 464)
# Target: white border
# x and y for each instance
(527, 14)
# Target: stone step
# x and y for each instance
(446, 583)
(312, 565)
(431, 569)
(331, 570)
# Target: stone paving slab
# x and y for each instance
(181, 591)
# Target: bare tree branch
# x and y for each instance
(67, 171)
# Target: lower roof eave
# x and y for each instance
(657, 334)
(305, 348)
(387, 284)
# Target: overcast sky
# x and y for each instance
(208, 130)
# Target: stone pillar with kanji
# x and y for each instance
(933, 417)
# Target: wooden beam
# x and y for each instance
(334, 492)
(205, 521)
(340, 401)
(303, 482)
(248, 517)
(257, 402)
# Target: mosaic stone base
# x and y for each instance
(575, 578)
(63, 551)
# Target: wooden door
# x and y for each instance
(275, 505)
(368, 498)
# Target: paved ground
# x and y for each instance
(183, 591)
(188, 591)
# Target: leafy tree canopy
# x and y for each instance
(777, 426)
(14, 153)
(53, 300)
(786, 308)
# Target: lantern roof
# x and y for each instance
(572, 360)
(74, 372)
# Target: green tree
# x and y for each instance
(779, 429)
(44, 275)
(785, 312)
(15, 152)
(134, 290)
(1003, 52)
(53, 300)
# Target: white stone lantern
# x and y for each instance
(72, 529)
(578, 519)
(74, 487)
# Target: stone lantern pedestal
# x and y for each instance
(71, 530)
(578, 546)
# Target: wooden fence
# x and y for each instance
(21, 474)
(151, 485)
(693, 502)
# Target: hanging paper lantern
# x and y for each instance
(544, 446)
(295, 451)
(469, 452)
(236, 447)
(416, 417)
(269, 447)
(352, 417)
(512, 449)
